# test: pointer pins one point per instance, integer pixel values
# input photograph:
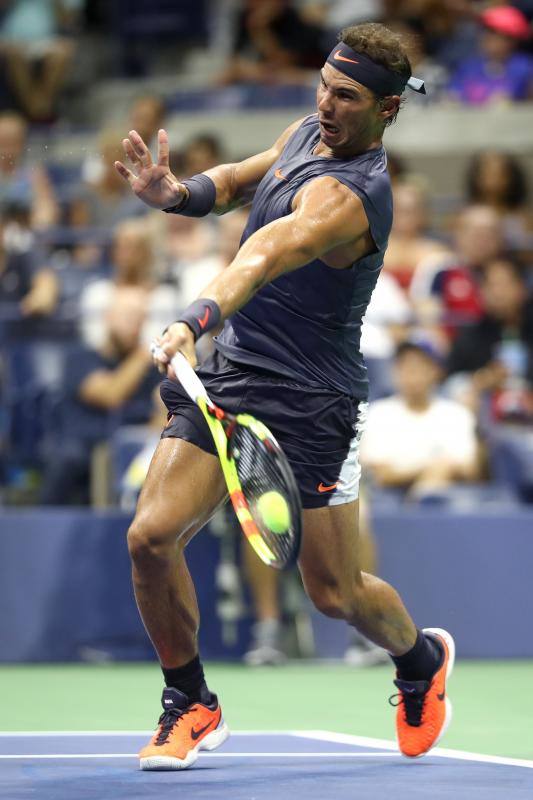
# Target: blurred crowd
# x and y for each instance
(88, 274)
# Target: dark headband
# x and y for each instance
(382, 81)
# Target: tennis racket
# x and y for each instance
(259, 478)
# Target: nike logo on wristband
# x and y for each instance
(339, 57)
(205, 319)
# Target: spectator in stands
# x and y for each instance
(495, 356)
(133, 276)
(446, 293)
(445, 26)
(410, 246)
(37, 46)
(103, 201)
(202, 152)
(21, 184)
(416, 440)
(147, 114)
(436, 76)
(386, 324)
(103, 388)
(273, 43)
(500, 73)
(195, 256)
(27, 287)
(496, 178)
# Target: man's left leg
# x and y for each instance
(331, 573)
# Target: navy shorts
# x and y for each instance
(318, 429)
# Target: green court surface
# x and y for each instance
(493, 701)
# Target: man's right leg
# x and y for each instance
(182, 490)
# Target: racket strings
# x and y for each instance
(262, 467)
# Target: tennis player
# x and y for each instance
(292, 303)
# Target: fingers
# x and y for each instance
(125, 172)
(163, 148)
(140, 149)
(130, 153)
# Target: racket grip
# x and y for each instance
(184, 373)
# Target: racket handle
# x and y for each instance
(185, 374)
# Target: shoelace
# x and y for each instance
(413, 703)
(167, 720)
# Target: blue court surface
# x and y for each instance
(315, 765)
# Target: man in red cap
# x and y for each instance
(500, 71)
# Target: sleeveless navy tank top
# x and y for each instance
(306, 325)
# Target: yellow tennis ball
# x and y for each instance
(274, 512)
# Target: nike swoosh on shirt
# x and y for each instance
(280, 176)
(339, 57)
(321, 488)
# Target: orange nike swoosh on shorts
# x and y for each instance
(280, 176)
(203, 322)
(321, 488)
(339, 57)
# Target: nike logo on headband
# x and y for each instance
(339, 57)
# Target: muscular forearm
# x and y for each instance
(229, 195)
(112, 388)
(274, 250)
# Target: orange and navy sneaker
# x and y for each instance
(184, 729)
(424, 712)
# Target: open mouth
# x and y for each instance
(328, 127)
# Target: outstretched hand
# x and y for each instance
(153, 183)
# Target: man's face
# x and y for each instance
(478, 234)
(416, 375)
(348, 113)
(504, 293)
(131, 253)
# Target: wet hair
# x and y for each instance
(381, 45)
(516, 191)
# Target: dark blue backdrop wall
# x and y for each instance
(65, 589)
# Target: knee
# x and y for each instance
(334, 600)
(149, 545)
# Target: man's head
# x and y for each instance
(360, 87)
(411, 203)
(146, 116)
(125, 318)
(504, 290)
(132, 252)
(417, 372)
(202, 152)
(504, 28)
(478, 234)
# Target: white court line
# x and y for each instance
(442, 752)
(325, 736)
(12, 734)
(348, 754)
